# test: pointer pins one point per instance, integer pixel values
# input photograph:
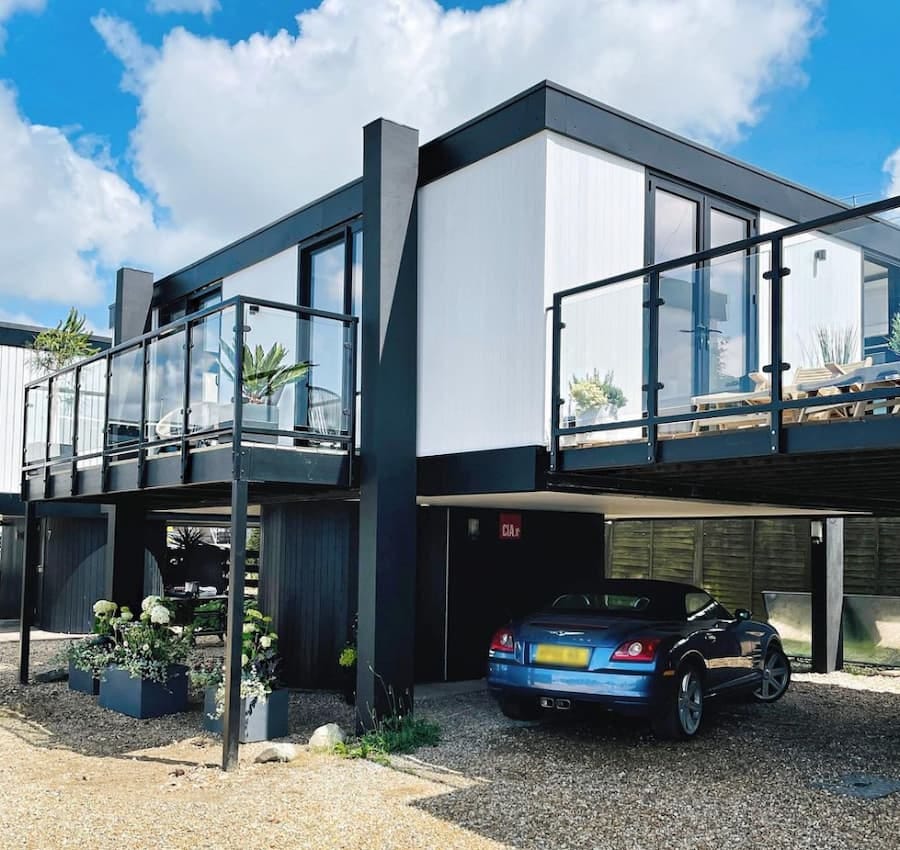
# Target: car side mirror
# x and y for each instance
(742, 614)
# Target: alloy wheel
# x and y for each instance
(690, 703)
(776, 676)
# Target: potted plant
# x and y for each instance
(264, 377)
(88, 658)
(147, 676)
(596, 399)
(264, 705)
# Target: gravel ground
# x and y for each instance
(77, 775)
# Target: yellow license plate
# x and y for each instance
(565, 656)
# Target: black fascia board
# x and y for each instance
(506, 124)
(13, 335)
(507, 470)
(325, 213)
(582, 119)
(549, 106)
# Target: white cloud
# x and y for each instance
(125, 44)
(892, 168)
(67, 218)
(230, 136)
(202, 7)
(8, 8)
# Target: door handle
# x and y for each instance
(710, 638)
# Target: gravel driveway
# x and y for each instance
(75, 775)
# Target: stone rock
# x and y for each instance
(325, 737)
(277, 752)
(52, 676)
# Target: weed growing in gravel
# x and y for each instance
(396, 731)
(394, 734)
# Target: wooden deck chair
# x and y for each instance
(849, 368)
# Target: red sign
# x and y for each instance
(510, 526)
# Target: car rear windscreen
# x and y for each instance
(653, 605)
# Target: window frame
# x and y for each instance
(706, 202)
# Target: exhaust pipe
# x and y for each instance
(562, 703)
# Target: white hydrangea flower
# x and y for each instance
(249, 628)
(244, 660)
(126, 616)
(160, 615)
(265, 641)
(150, 602)
(102, 606)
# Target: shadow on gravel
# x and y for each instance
(751, 778)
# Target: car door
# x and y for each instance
(715, 639)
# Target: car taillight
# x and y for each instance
(642, 649)
(503, 641)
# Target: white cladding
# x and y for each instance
(496, 240)
(15, 372)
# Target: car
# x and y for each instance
(643, 647)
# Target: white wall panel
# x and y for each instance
(595, 215)
(481, 304)
(274, 279)
(496, 240)
(15, 372)
(595, 229)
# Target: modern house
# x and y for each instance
(67, 543)
(549, 318)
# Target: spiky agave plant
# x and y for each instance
(264, 373)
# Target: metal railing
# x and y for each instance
(245, 371)
(694, 339)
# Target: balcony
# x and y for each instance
(767, 369)
(160, 412)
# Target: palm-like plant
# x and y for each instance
(264, 373)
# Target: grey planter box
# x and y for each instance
(263, 722)
(83, 682)
(143, 698)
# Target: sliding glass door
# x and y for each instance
(707, 319)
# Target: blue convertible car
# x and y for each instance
(653, 648)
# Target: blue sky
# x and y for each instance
(126, 124)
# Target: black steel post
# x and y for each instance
(30, 559)
(776, 275)
(76, 403)
(231, 721)
(555, 399)
(827, 580)
(654, 302)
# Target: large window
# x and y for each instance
(330, 280)
(707, 321)
(881, 303)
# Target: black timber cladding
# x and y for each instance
(308, 584)
(74, 573)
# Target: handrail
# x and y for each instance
(192, 318)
